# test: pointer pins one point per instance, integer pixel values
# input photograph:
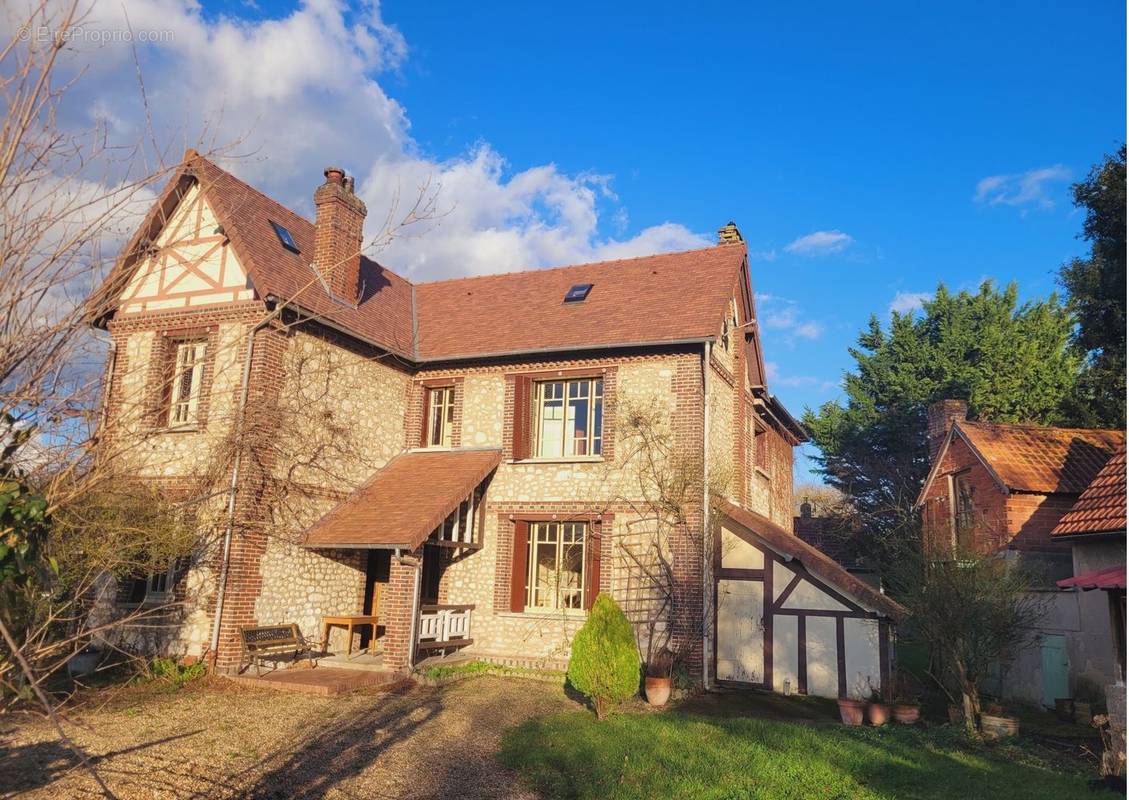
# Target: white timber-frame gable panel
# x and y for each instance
(191, 263)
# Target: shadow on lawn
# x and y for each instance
(27, 767)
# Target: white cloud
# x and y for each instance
(781, 314)
(820, 243)
(304, 90)
(904, 302)
(1026, 189)
(776, 378)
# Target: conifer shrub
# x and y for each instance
(604, 664)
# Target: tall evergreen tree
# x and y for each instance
(1096, 290)
(1011, 362)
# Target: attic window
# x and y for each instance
(285, 237)
(578, 292)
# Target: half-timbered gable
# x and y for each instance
(191, 264)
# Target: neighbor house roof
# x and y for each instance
(815, 561)
(405, 501)
(673, 297)
(1032, 458)
(1101, 507)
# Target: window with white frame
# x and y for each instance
(440, 416)
(188, 370)
(557, 556)
(155, 587)
(570, 417)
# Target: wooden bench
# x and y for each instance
(272, 643)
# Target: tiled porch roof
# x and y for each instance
(404, 501)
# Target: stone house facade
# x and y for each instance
(469, 461)
(1007, 489)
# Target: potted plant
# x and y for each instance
(998, 725)
(851, 711)
(877, 710)
(907, 706)
(657, 683)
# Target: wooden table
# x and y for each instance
(349, 622)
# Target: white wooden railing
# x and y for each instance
(442, 626)
(461, 529)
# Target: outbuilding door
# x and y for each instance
(1056, 668)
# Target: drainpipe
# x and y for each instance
(707, 573)
(234, 487)
(111, 363)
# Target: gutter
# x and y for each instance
(225, 560)
(322, 319)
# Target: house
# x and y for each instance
(1005, 489)
(470, 461)
(1095, 527)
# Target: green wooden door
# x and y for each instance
(1056, 668)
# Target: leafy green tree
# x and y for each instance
(1011, 362)
(604, 664)
(1096, 289)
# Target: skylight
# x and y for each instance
(578, 292)
(285, 237)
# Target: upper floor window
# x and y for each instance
(441, 416)
(570, 417)
(555, 580)
(184, 396)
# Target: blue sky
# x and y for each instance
(867, 151)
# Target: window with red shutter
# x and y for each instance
(523, 413)
(520, 566)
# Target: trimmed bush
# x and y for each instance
(605, 660)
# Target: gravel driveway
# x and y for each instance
(213, 739)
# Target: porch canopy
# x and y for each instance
(1108, 578)
(400, 505)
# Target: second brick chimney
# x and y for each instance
(338, 233)
(940, 417)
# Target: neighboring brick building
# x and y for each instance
(1010, 489)
(470, 460)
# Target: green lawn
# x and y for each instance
(681, 754)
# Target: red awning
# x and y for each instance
(1108, 578)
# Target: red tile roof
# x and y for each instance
(661, 298)
(1032, 458)
(382, 315)
(815, 561)
(405, 501)
(1101, 508)
(1108, 578)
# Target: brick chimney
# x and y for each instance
(338, 233)
(728, 234)
(940, 417)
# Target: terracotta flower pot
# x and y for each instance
(878, 714)
(995, 727)
(851, 711)
(657, 690)
(907, 713)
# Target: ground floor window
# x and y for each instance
(153, 588)
(556, 565)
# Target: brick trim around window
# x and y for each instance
(513, 553)
(161, 369)
(518, 413)
(415, 428)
